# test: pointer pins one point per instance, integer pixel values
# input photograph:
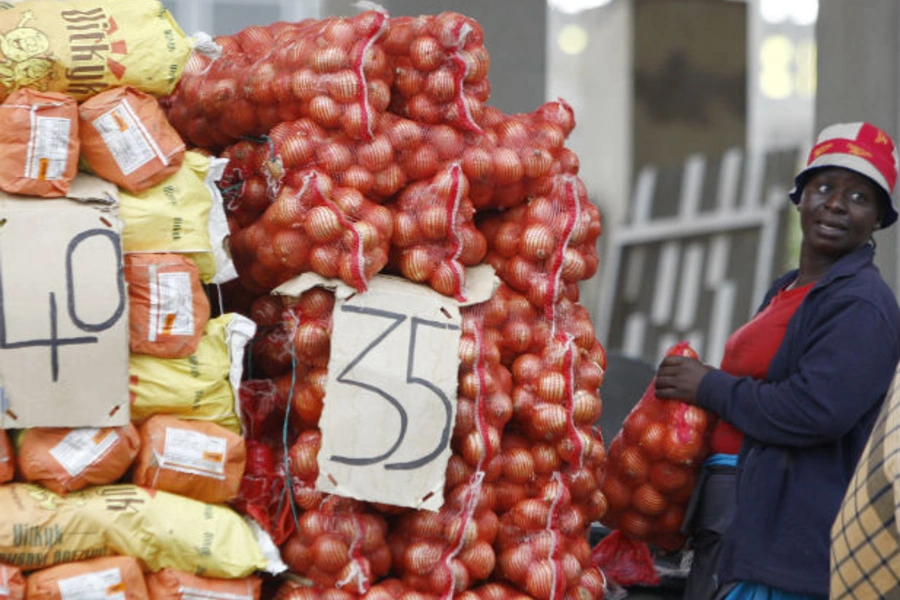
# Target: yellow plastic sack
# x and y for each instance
(83, 47)
(40, 529)
(172, 216)
(202, 386)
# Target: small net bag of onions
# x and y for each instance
(651, 470)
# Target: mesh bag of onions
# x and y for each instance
(652, 467)
(432, 178)
(331, 70)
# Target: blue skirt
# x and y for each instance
(746, 590)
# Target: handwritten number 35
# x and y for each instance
(345, 377)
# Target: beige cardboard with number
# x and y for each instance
(63, 310)
(390, 397)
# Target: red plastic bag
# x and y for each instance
(625, 561)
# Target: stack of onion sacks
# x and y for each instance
(651, 470)
(516, 156)
(331, 70)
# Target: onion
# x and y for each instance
(552, 387)
(329, 553)
(536, 163)
(417, 264)
(304, 85)
(325, 260)
(518, 465)
(292, 249)
(334, 157)
(477, 164)
(539, 579)
(389, 180)
(635, 524)
(422, 557)
(358, 178)
(478, 63)
(448, 142)
(353, 121)
(325, 111)
(296, 555)
(647, 500)
(514, 564)
(379, 94)
(405, 134)
(479, 560)
(329, 58)
(426, 53)
(513, 133)
(507, 166)
(421, 163)
(408, 81)
(434, 223)
(323, 225)
(537, 241)
(446, 280)
(343, 86)
(441, 85)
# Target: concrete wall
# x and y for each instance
(859, 80)
(598, 83)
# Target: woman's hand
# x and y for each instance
(678, 378)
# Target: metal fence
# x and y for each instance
(700, 246)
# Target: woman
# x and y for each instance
(802, 382)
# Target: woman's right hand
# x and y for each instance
(678, 378)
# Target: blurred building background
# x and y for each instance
(692, 116)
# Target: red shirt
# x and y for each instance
(748, 352)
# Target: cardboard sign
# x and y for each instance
(390, 397)
(63, 310)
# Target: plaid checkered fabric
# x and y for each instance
(865, 540)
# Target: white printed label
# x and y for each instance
(48, 148)
(194, 452)
(125, 136)
(102, 585)
(81, 447)
(171, 305)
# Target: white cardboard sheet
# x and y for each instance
(63, 310)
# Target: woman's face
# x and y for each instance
(839, 210)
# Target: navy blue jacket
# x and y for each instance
(806, 425)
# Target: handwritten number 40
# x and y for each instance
(396, 320)
(54, 341)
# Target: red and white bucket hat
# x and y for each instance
(860, 147)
